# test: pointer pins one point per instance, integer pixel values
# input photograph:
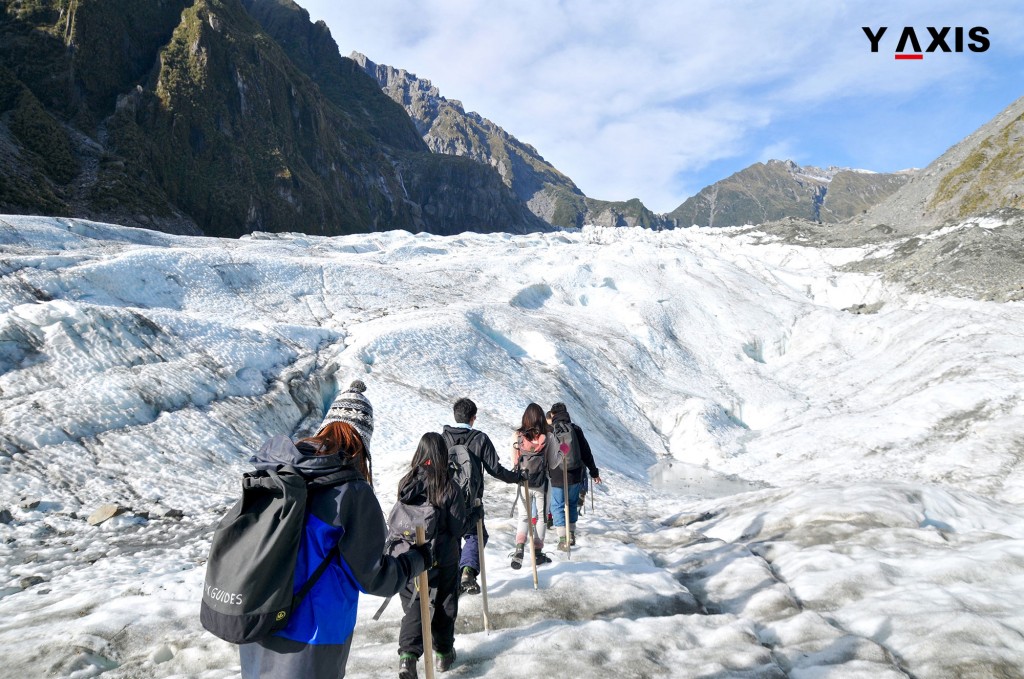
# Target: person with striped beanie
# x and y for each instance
(351, 407)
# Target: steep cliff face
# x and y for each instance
(189, 115)
(777, 189)
(447, 128)
(62, 65)
(979, 174)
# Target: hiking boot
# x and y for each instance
(572, 538)
(444, 660)
(407, 666)
(542, 558)
(469, 584)
(563, 546)
(517, 557)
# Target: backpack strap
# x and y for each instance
(515, 503)
(380, 611)
(449, 440)
(308, 585)
(325, 481)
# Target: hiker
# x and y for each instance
(483, 456)
(429, 483)
(315, 643)
(584, 489)
(578, 456)
(528, 456)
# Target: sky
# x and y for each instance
(658, 99)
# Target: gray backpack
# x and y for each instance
(534, 466)
(249, 591)
(465, 470)
(402, 523)
(566, 447)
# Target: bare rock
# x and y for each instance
(30, 581)
(169, 513)
(105, 513)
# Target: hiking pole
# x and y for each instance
(424, 585)
(565, 486)
(483, 572)
(530, 533)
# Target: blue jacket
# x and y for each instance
(316, 642)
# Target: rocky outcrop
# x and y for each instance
(448, 129)
(977, 175)
(778, 189)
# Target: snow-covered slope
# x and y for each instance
(878, 531)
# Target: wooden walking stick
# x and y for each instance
(530, 533)
(483, 572)
(424, 586)
(565, 487)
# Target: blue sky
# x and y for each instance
(657, 99)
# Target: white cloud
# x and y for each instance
(626, 98)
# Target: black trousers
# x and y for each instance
(445, 579)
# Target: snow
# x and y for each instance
(793, 490)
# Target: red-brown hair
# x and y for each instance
(341, 438)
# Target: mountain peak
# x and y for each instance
(777, 189)
(447, 128)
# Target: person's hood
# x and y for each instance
(279, 451)
(415, 492)
(561, 417)
(460, 433)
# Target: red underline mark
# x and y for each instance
(910, 56)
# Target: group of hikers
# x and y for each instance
(346, 547)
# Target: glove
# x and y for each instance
(521, 475)
(426, 552)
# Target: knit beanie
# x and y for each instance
(351, 407)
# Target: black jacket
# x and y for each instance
(586, 456)
(482, 451)
(451, 524)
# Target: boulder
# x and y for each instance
(104, 513)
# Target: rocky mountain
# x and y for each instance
(447, 128)
(780, 188)
(979, 174)
(955, 228)
(220, 117)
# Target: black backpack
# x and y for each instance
(567, 447)
(250, 575)
(465, 471)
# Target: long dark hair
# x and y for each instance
(341, 438)
(432, 456)
(534, 423)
